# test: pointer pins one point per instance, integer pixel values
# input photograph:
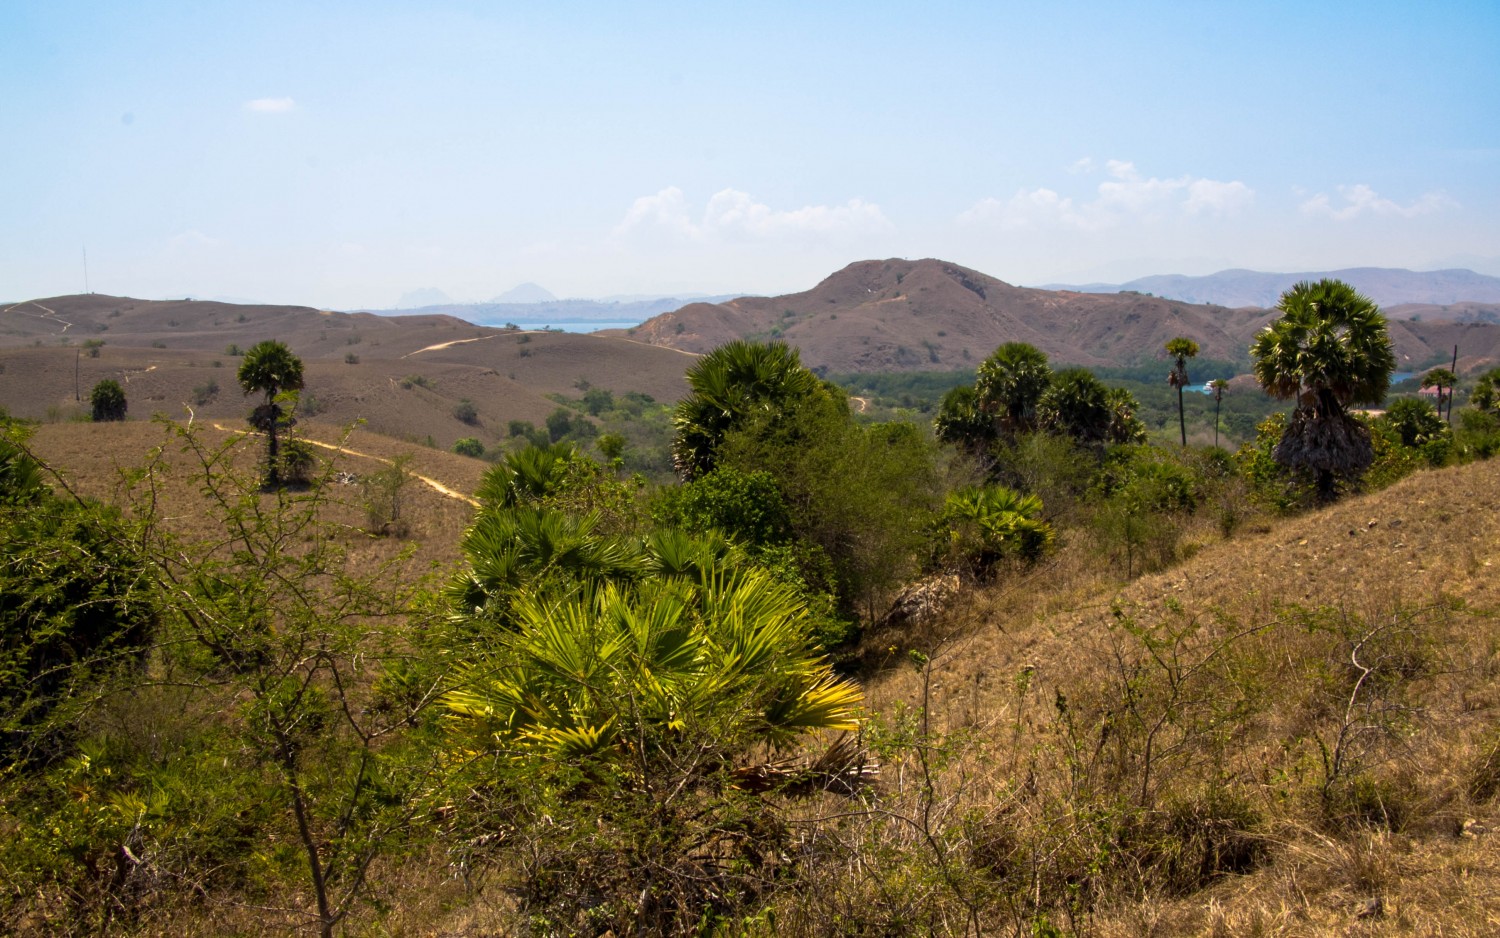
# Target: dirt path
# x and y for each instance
(443, 345)
(478, 338)
(431, 483)
(51, 314)
(864, 403)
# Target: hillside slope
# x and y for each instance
(173, 356)
(931, 315)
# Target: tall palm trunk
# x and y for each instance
(1181, 419)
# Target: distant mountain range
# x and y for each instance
(1387, 286)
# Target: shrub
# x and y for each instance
(108, 401)
(464, 412)
(468, 446)
(298, 462)
(350, 358)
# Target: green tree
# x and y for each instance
(108, 401)
(1327, 351)
(1443, 380)
(270, 368)
(731, 385)
(468, 446)
(1078, 405)
(962, 421)
(1010, 385)
(1483, 397)
(1181, 349)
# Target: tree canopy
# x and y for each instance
(1329, 350)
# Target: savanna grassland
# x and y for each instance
(732, 653)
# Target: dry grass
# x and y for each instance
(1044, 697)
(96, 460)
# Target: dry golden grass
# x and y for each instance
(96, 459)
(1259, 639)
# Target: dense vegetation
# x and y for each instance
(736, 694)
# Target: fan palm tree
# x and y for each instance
(1329, 350)
(1181, 350)
(1010, 385)
(271, 369)
(617, 673)
(731, 385)
(1444, 380)
(529, 550)
(1218, 386)
(989, 522)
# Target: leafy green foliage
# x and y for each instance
(985, 525)
(1328, 350)
(733, 385)
(614, 669)
(1010, 384)
(468, 446)
(108, 401)
(73, 607)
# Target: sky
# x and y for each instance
(343, 155)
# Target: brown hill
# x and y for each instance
(402, 375)
(927, 315)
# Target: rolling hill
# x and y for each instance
(175, 355)
(930, 315)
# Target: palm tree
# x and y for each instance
(1181, 349)
(725, 657)
(1443, 380)
(1328, 350)
(990, 522)
(1010, 386)
(730, 386)
(1218, 386)
(271, 369)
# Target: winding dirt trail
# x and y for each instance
(51, 314)
(431, 483)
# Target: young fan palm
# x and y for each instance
(1328, 350)
(622, 674)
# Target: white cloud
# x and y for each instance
(732, 213)
(1217, 198)
(190, 240)
(1084, 165)
(1126, 195)
(1360, 200)
(270, 105)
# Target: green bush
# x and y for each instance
(108, 401)
(468, 446)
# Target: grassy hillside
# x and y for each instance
(1293, 729)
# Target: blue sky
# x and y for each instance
(341, 155)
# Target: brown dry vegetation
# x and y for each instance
(96, 459)
(171, 359)
(932, 315)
